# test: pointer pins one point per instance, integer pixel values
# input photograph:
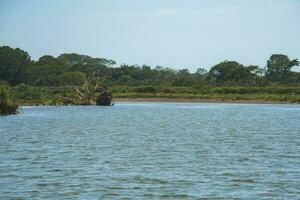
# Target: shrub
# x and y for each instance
(3, 98)
(145, 89)
(168, 90)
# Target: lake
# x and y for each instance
(151, 151)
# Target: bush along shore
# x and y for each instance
(28, 95)
(8, 109)
(5, 107)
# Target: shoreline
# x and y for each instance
(194, 100)
(162, 100)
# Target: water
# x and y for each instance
(151, 151)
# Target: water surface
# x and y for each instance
(151, 151)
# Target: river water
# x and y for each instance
(151, 151)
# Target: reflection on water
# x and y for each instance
(151, 151)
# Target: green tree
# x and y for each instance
(44, 75)
(147, 74)
(231, 72)
(126, 80)
(49, 60)
(71, 78)
(201, 71)
(201, 76)
(13, 63)
(183, 78)
(164, 75)
(73, 59)
(279, 67)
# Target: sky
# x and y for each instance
(173, 33)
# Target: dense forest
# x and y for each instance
(16, 67)
(29, 79)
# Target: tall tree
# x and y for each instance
(12, 64)
(279, 67)
(45, 74)
(231, 72)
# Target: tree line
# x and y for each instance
(17, 67)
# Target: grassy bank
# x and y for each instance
(28, 95)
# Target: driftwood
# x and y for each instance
(88, 90)
(92, 92)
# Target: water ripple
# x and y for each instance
(151, 151)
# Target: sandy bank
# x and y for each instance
(195, 100)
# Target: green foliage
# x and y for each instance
(13, 63)
(232, 72)
(25, 94)
(73, 59)
(145, 89)
(45, 74)
(3, 98)
(126, 80)
(183, 78)
(71, 78)
(279, 67)
(28, 94)
(16, 67)
(49, 60)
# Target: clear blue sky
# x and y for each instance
(175, 33)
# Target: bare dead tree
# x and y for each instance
(92, 86)
(92, 92)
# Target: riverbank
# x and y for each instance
(196, 100)
(224, 98)
(28, 95)
(49, 102)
